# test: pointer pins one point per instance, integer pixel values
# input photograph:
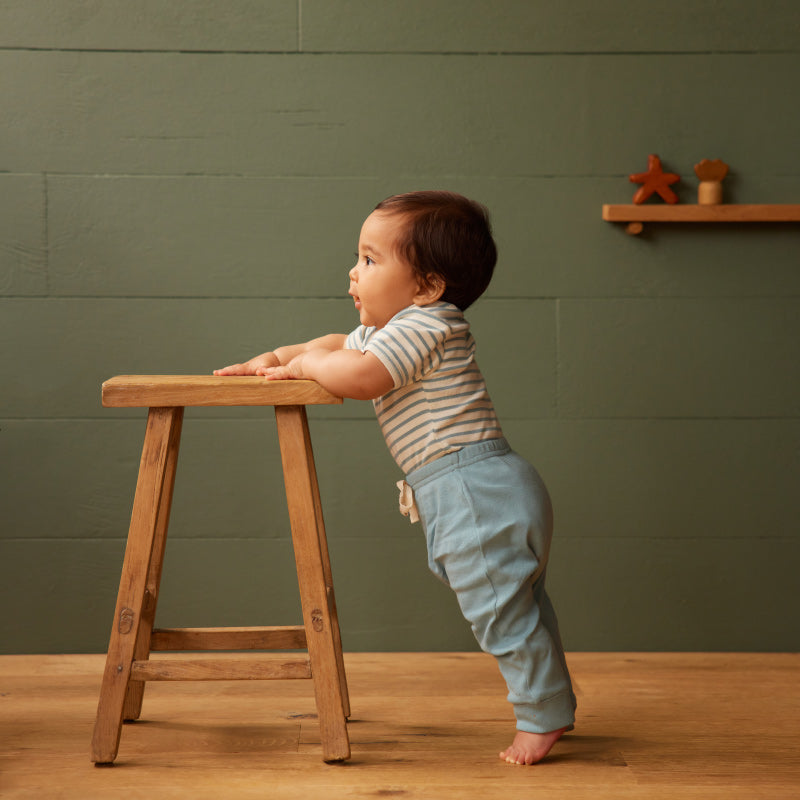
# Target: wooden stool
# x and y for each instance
(132, 634)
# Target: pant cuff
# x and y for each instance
(550, 715)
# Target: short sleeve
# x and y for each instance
(410, 346)
(357, 340)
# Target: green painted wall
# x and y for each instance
(181, 186)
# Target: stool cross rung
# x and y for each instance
(279, 637)
(220, 669)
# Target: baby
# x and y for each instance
(423, 258)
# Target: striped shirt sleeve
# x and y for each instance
(358, 338)
(410, 346)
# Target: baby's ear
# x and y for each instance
(431, 290)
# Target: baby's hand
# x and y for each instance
(276, 373)
(291, 371)
(234, 369)
(250, 367)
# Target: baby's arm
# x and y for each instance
(345, 373)
(281, 356)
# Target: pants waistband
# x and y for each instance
(466, 455)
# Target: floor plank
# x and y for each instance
(656, 725)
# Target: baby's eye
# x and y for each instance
(367, 260)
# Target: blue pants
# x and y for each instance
(488, 523)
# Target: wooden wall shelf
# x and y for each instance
(636, 215)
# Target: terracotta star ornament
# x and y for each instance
(655, 181)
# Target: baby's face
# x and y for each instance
(381, 283)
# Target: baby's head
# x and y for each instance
(446, 239)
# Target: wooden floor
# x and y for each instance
(424, 726)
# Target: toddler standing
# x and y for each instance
(423, 258)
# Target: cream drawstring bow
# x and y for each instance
(408, 507)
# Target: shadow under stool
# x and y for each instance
(133, 637)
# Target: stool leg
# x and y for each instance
(326, 567)
(134, 696)
(159, 440)
(298, 474)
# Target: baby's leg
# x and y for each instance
(494, 553)
(530, 748)
(488, 526)
(538, 681)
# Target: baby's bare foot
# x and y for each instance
(530, 748)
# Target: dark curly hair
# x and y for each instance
(448, 238)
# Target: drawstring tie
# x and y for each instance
(408, 507)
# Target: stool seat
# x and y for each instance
(133, 636)
(136, 391)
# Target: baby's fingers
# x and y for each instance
(274, 373)
(233, 369)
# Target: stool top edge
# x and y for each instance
(142, 391)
